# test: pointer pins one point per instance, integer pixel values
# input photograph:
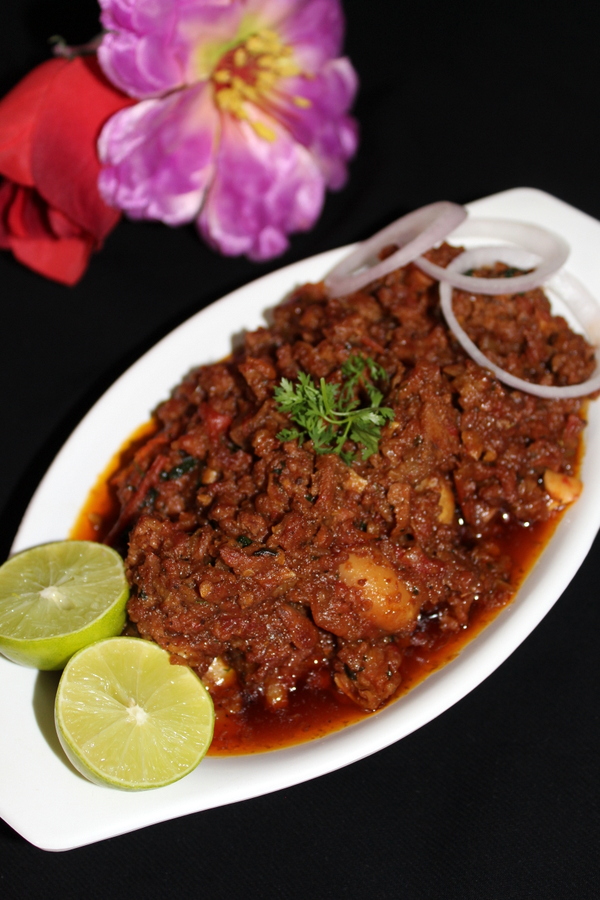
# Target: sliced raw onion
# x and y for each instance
(573, 294)
(414, 233)
(551, 249)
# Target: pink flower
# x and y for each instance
(243, 121)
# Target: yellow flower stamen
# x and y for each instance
(265, 80)
(230, 101)
(250, 93)
(302, 102)
(263, 131)
(249, 72)
(240, 57)
(287, 68)
(267, 61)
(263, 42)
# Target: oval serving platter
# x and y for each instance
(35, 778)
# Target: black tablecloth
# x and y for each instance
(498, 797)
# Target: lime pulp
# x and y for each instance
(56, 598)
(128, 718)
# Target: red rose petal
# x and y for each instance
(26, 217)
(7, 193)
(60, 225)
(64, 163)
(19, 111)
(62, 259)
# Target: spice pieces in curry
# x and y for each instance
(268, 566)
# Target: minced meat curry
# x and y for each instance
(267, 566)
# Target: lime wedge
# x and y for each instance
(127, 717)
(57, 598)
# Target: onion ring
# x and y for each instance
(415, 233)
(551, 248)
(573, 294)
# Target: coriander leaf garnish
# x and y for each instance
(329, 414)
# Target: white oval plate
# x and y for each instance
(35, 777)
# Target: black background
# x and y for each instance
(497, 799)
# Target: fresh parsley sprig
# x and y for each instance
(329, 414)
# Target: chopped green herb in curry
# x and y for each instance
(330, 414)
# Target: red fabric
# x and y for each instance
(51, 214)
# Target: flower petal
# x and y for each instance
(8, 190)
(158, 156)
(26, 231)
(64, 160)
(155, 46)
(19, 110)
(25, 215)
(262, 191)
(140, 66)
(315, 28)
(314, 112)
(62, 259)
(144, 16)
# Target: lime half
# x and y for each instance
(127, 717)
(57, 598)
